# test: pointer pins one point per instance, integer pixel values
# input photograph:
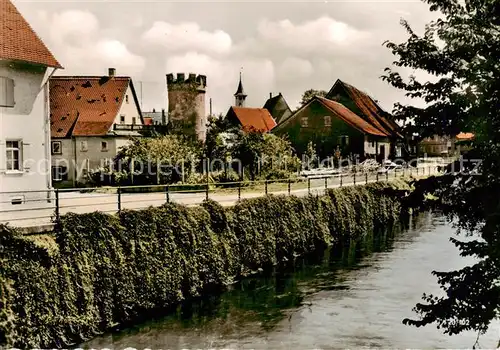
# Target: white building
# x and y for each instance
(25, 67)
(91, 118)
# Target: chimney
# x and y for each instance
(270, 95)
(111, 72)
(154, 110)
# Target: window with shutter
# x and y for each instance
(6, 92)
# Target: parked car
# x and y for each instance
(389, 167)
(367, 165)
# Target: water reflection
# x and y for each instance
(350, 296)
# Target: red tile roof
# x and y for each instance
(373, 113)
(350, 118)
(257, 118)
(85, 106)
(463, 136)
(148, 120)
(18, 41)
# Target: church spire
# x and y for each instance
(240, 96)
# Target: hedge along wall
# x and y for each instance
(99, 270)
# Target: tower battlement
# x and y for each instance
(186, 103)
(180, 80)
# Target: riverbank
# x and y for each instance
(100, 270)
(345, 297)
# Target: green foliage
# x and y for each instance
(309, 94)
(460, 50)
(99, 270)
(167, 155)
(261, 154)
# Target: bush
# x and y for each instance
(99, 270)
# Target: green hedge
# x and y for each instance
(99, 270)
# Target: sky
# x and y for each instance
(279, 46)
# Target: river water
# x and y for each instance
(352, 297)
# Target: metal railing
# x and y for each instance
(39, 208)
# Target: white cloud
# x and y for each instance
(222, 77)
(72, 27)
(294, 68)
(321, 34)
(187, 36)
(76, 42)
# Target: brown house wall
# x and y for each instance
(326, 138)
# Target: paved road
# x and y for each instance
(41, 214)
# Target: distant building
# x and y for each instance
(464, 142)
(157, 117)
(258, 119)
(278, 107)
(91, 117)
(186, 104)
(436, 146)
(25, 67)
(445, 145)
(367, 108)
(333, 128)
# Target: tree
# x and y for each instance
(309, 94)
(268, 155)
(460, 50)
(173, 153)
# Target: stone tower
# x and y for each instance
(239, 96)
(186, 104)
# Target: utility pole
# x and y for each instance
(141, 95)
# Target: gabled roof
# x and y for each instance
(86, 106)
(19, 42)
(372, 112)
(272, 106)
(253, 118)
(343, 113)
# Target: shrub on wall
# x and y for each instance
(99, 270)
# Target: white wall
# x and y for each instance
(129, 110)
(372, 148)
(26, 121)
(91, 159)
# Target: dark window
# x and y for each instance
(59, 173)
(56, 147)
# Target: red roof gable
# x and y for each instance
(254, 118)
(370, 109)
(350, 118)
(18, 41)
(85, 106)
